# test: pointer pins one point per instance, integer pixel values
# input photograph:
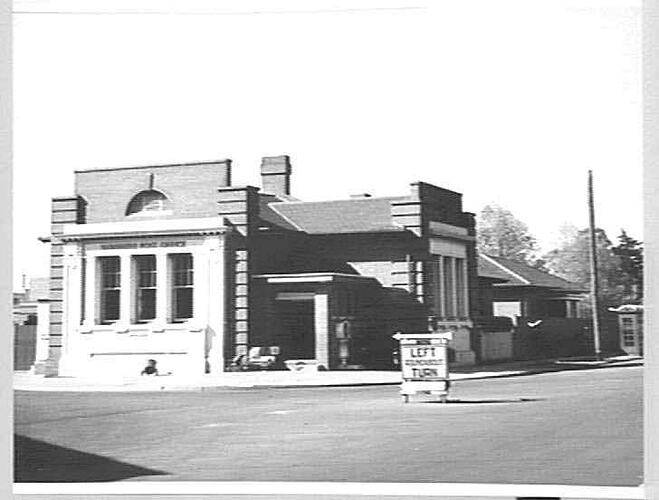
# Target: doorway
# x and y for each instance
(296, 328)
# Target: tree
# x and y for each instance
(630, 255)
(571, 261)
(501, 234)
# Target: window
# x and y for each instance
(147, 203)
(449, 287)
(110, 271)
(145, 292)
(628, 332)
(182, 286)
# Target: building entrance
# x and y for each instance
(296, 328)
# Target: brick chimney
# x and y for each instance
(276, 175)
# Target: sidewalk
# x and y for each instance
(25, 381)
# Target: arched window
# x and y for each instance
(147, 202)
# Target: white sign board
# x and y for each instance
(424, 363)
(423, 360)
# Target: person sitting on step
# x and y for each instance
(150, 368)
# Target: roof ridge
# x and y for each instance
(287, 219)
(548, 273)
(372, 198)
(505, 269)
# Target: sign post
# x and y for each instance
(424, 364)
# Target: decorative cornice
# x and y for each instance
(144, 228)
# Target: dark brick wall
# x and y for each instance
(475, 299)
(439, 204)
(240, 208)
(191, 188)
(65, 210)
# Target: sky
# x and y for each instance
(506, 101)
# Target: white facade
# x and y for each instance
(106, 331)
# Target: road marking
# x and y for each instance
(279, 412)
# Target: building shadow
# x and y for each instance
(36, 461)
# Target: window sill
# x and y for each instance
(140, 328)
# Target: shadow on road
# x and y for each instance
(484, 401)
(40, 462)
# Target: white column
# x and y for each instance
(321, 320)
(199, 321)
(72, 291)
(216, 298)
(200, 290)
(441, 287)
(71, 302)
(162, 289)
(125, 295)
(43, 331)
(465, 287)
(91, 292)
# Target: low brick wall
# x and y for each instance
(496, 346)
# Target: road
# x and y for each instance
(574, 427)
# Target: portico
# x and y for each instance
(305, 313)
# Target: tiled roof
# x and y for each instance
(489, 270)
(521, 274)
(270, 217)
(359, 215)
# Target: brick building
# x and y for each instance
(174, 263)
(512, 288)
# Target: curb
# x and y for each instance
(538, 371)
(566, 366)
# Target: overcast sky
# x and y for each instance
(505, 101)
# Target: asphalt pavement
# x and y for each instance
(570, 427)
(108, 382)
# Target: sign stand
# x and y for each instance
(424, 364)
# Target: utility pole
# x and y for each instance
(594, 282)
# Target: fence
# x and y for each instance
(25, 337)
(562, 337)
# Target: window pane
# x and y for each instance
(110, 305)
(183, 303)
(110, 287)
(182, 286)
(145, 299)
(146, 303)
(146, 270)
(147, 201)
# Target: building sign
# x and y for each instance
(142, 244)
(424, 363)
